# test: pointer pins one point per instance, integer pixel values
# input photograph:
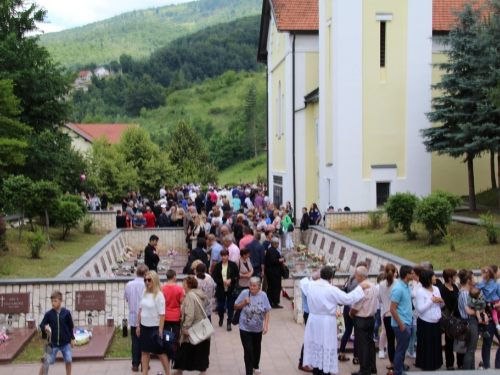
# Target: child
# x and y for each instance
(59, 321)
(477, 303)
(491, 293)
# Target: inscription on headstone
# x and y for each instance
(369, 263)
(354, 258)
(342, 253)
(109, 257)
(103, 263)
(14, 303)
(90, 300)
(332, 247)
(315, 238)
(322, 243)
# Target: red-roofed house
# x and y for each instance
(85, 75)
(83, 135)
(349, 84)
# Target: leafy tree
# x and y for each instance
(69, 214)
(143, 94)
(434, 212)
(190, 156)
(126, 63)
(12, 132)
(3, 235)
(400, 209)
(466, 116)
(16, 192)
(37, 81)
(45, 199)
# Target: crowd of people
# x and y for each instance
(407, 306)
(235, 237)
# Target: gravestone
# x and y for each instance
(90, 300)
(14, 303)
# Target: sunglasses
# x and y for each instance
(147, 280)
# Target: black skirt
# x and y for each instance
(148, 342)
(193, 357)
(429, 346)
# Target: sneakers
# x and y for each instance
(481, 366)
(381, 354)
(414, 355)
(256, 371)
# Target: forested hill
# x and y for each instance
(141, 32)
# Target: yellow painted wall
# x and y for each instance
(451, 174)
(277, 49)
(384, 100)
(78, 143)
(312, 159)
(278, 146)
(312, 71)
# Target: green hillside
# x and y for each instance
(140, 32)
(249, 171)
(218, 101)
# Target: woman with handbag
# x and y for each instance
(254, 319)
(192, 357)
(226, 275)
(150, 321)
(245, 268)
(429, 303)
(469, 315)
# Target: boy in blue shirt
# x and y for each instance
(58, 323)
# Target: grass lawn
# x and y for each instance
(120, 348)
(472, 248)
(17, 264)
(247, 170)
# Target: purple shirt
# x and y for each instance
(259, 201)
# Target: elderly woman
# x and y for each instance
(429, 303)
(192, 357)
(254, 320)
(206, 284)
(245, 267)
(226, 276)
(151, 319)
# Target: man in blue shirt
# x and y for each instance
(215, 249)
(257, 255)
(401, 321)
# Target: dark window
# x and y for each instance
(382, 44)
(383, 191)
(278, 190)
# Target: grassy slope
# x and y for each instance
(247, 170)
(140, 32)
(16, 263)
(190, 103)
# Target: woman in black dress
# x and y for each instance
(449, 293)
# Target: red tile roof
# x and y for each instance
(83, 73)
(443, 18)
(296, 15)
(92, 131)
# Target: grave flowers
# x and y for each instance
(4, 337)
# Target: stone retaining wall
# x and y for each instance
(349, 219)
(41, 289)
(103, 220)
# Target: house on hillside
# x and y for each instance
(101, 72)
(348, 88)
(83, 135)
(84, 75)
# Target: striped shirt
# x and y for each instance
(462, 302)
(133, 295)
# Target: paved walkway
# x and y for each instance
(280, 354)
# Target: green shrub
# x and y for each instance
(434, 212)
(400, 209)
(376, 218)
(492, 229)
(36, 240)
(69, 215)
(87, 225)
(448, 238)
(453, 200)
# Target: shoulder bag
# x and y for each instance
(237, 287)
(285, 272)
(290, 228)
(237, 313)
(202, 330)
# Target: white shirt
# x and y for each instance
(249, 203)
(133, 295)
(151, 309)
(428, 311)
(162, 193)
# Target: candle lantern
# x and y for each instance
(9, 320)
(89, 321)
(125, 327)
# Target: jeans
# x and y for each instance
(403, 339)
(413, 340)
(251, 342)
(229, 302)
(469, 362)
(486, 351)
(378, 323)
(306, 315)
(349, 325)
(136, 347)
